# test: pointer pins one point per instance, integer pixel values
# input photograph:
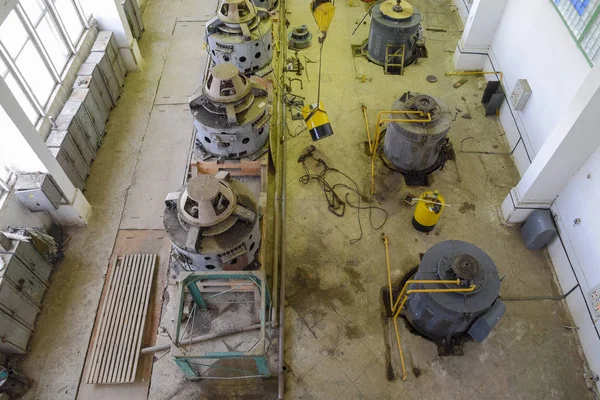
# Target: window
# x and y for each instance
(581, 17)
(7, 180)
(37, 40)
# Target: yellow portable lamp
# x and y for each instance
(315, 116)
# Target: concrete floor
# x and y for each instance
(336, 339)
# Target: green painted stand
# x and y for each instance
(185, 358)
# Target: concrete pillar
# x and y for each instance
(572, 141)
(479, 32)
(111, 17)
(36, 157)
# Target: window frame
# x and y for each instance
(7, 180)
(584, 32)
(31, 28)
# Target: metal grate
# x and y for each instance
(118, 340)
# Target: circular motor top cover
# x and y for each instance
(388, 15)
(441, 117)
(397, 9)
(236, 11)
(455, 259)
(228, 94)
(206, 201)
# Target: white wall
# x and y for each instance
(463, 7)
(542, 51)
(579, 200)
(533, 43)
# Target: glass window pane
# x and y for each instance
(577, 13)
(22, 98)
(87, 6)
(70, 18)
(34, 70)
(13, 34)
(53, 42)
(33, 9)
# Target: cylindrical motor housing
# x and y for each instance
(415, 148)
(231, 114)
(394, 26)
(240, 34)
(441, 316)
(213, 223)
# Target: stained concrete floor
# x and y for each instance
(337, 342)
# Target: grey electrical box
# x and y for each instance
(520, 94)
(594, 296)
(24, 275)
(38, 192)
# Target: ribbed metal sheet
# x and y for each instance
(118, 340)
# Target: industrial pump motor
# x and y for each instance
(444, 316)
(231, 115)
(395, 29)
(241, 34)
(213, 223)
(416, 149)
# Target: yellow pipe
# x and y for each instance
(389, 271)
(431, 281)
(364, 108)
(381, 121)
(403, 295)
(476, 73)
(405, 298)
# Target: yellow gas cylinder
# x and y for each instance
(428, 211)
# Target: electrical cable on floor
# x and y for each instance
(540, 298)
(337, 205)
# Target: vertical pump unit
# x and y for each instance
(213, 223)
(395, 34)
(416, 149)
(444, 317)
(231, 115)
(240, 34)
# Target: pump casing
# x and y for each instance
(443, 316)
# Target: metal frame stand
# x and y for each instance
(185, 357)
